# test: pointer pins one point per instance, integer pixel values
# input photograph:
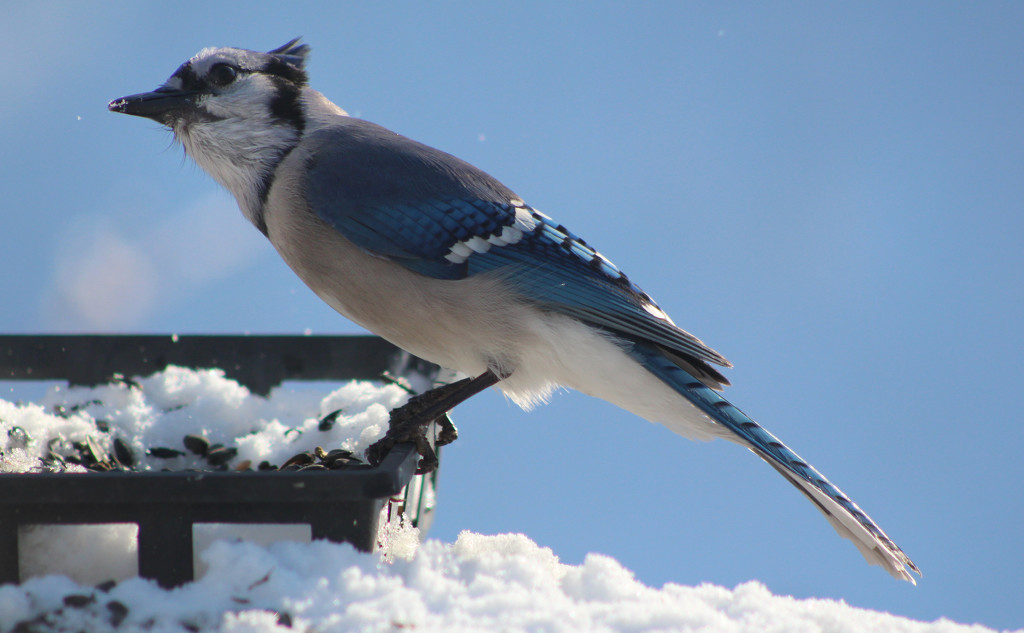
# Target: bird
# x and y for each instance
(446, 262)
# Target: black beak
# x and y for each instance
(158, 105)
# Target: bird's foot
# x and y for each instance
(409, 423)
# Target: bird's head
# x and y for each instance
(235, 111)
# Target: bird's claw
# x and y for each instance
(408, 424)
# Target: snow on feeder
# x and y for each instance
(150, 469)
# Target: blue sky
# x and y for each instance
(830, 195)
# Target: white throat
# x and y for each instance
(239, 144)
(242, 142)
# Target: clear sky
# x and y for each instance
(830, 195)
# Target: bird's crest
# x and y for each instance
(294, 52)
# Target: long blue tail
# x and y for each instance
(845, 516)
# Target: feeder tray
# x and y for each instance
(338, 505)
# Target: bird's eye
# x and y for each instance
(222, 74)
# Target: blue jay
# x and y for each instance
(449, 264)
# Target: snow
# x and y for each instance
(158, 411)
(262, 584)
(479, 583)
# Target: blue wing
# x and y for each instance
(441, 217)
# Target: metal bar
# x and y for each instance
(100, 491)
(165, 546)
(348, 523)
(9, 567)
(259, 362)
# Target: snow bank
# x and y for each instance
(480, 583)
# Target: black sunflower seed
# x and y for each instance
(301, 459)
(327, 422)
(197, 444)
(123, 452)
(78, 600)
(162, 452)
(221, 455)
(118, 612)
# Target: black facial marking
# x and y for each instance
(280, 68)
(287, 110)
(189, 79)
(261, 222)
(285, 106)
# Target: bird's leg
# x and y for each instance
(409, 422)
